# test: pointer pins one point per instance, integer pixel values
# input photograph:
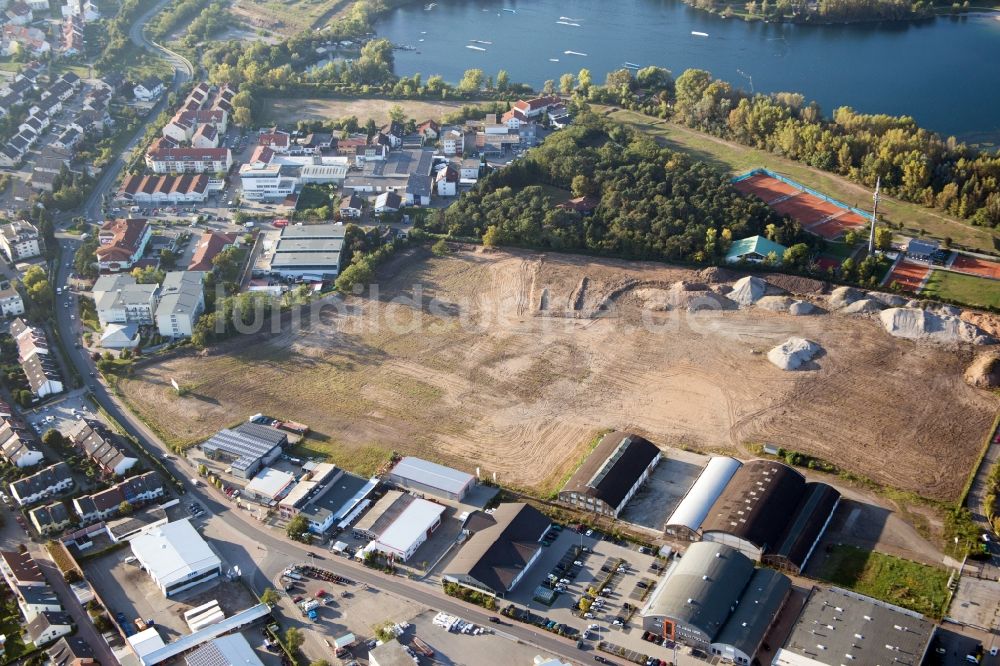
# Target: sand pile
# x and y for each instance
(793, 353)
(889, 300)
(984, 371)
(715, 274)
(786, 304)
(842, 296)
(917, 324)
(989, 323)
(748, 290)
(863, 306)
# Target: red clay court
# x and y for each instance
(813, 213)
(908, 276)
(975, 266)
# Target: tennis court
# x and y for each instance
(909, 276)
(816, 215)
(975, 266)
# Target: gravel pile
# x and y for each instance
(917, 324)
(793, 353)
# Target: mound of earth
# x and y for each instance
(748, 290)
(863, 306)
(793, 353)
(842, 296)
(917, 324)
(989, 323)
(787, 304)
(716, 274)
(682, 295)
(889, 300)
(796, 284)
(984, 371)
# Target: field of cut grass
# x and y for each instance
(905, 583)
(283, 110)
(969, 289)
(740, 159)
(289, 17)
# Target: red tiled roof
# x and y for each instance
(188, 154)
(125, 236)
(276, 139)
(210, 245)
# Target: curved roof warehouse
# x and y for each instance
(687, 518)
(769, 513)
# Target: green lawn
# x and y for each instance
(365, 460)
(905, 583)
(968, 289)
(740, 159)
(312, 196)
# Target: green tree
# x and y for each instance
(503, 80)
(397, 114)
(797, 256)
(549, 87)
(584, 80)
(148, 275)
(440, 248)
(883, 238)
(294, 639)
(271, 597)
(53, 439)
(125, 508)
(36, 283)
(472, 81)
(298, 528)
(491, 238)
(582, 186)
(566, 82)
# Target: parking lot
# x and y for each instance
(61, 415)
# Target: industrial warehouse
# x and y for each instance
(612, 473)
(428, 477)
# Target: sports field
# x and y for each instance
(965, 263)
(908, 275)
(816, 215)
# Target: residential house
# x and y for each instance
(137, 491)
(182, 300)
(206, 136)
(164, 189)
(755, 250)
(11, 303)
(18, 445)
(45, 483)
(446, 180)
(351, 206)
(469, 170)
(452, 142)
(120, 336)
(119, 299)
(536, 107)
(68, 139)
(71, 651)
(315, 143)
(97, 446)
(394, 133)
(429, 130)
(20, 570)
(276, 140)
(50, 518)
(418, 190)
(33, 354)
(18, 37)
(9, 156)
(35, 600)
(37, 6)
(148, 90)
(387, 202)
(48, 626)
(209, 246)
(83, 9)
(122, 243)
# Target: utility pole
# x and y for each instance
(871, 235)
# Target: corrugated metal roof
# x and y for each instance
(432, 474)
(758, 606)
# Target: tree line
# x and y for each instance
(914, 164)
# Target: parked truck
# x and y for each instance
(310, 605)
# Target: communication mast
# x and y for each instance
(871, 235)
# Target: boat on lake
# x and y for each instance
(474, 48)
(574, 53)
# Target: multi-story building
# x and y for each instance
(122, 243)
(11, 303)
(189, 160)
(120, 300)
(182, 300)
(20, 240)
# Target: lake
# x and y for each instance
(945, 72)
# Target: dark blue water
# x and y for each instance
(945, 72)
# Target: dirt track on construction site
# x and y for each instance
(512, 362)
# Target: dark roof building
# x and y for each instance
(247, 447)
(840, 627)
(611, 474)
(71, 651)
(507, 543)
(769, 512)
(715, 600)
(97, 445)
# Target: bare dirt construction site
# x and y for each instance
(511, 362)
(281, 110)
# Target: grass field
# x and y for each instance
(282, 110)
(288, 17)
(739, 159)
(909, 584)
(969, 289)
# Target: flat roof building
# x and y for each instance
(841, 627)
(269, 485)
(176, 557)
(390, 653)
(612, 473)
(382, 514)
(769, 512)
(686, 519)
(495, 558)
(409, 530)
(428, 477)
(714, 599)
(231, 650)
(307, 250)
